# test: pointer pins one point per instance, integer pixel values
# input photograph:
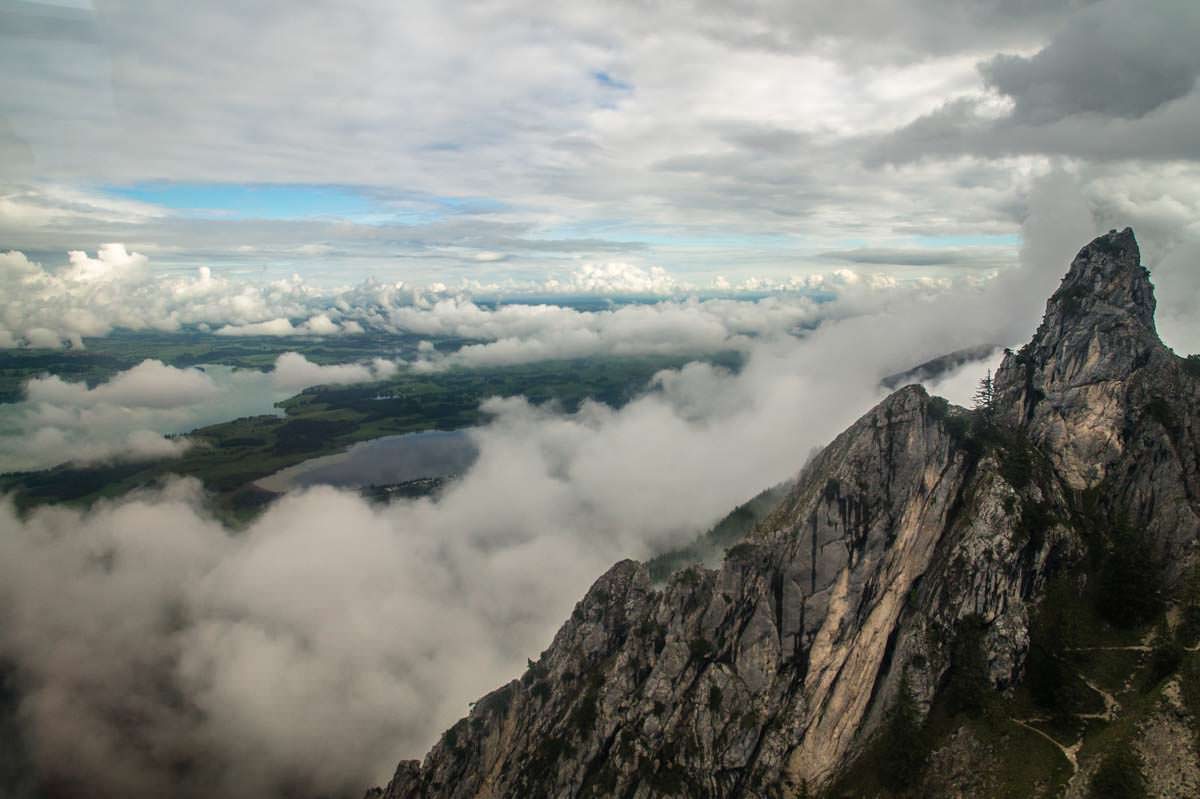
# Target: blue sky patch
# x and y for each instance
(300, 201)
(609, 82)
(253, 201)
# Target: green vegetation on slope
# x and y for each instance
(1105, 640)
(725, 534)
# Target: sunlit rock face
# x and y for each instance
(771, 672)
(1111, 406)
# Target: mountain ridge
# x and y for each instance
(919, 524)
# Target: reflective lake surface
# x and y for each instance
(382, 461)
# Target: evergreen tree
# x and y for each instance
(1189, 626)
(1119, 776)
(985, 397)
(902, 744)
(1129, 589)
(967, 681)
(1055, 629)
(1166, 654)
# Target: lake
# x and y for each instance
(381, 461)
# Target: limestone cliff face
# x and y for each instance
(769, 673)
(1109, 404)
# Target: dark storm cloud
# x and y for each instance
(959, 128)
(1117, 82)
(1120, 60)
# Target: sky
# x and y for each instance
(838, 191)
(724, 143)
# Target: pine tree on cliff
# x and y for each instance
(985, 398)
(902, 744)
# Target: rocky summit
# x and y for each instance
(946, 602)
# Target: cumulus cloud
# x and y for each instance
(150, 384)
(140, 413)
(42, 307)
(293, 372)
(526, 333)
(616, 278)
(92, 296)
(127, 418)
(318, 325)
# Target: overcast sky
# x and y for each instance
(491, 141)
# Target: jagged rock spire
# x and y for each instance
(1108, 403)
(1101, 316)
(1067, 386)
(1107, 277)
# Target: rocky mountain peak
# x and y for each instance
(1103, 312)
(908, 553)
(1107, 276)
(1109, 404)
(1067, 387)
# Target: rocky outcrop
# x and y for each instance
(1166, 743)
(917, 523)
(1110, 405)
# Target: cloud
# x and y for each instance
(124, 419)
(1177, 283)
(160, 655)
(879, 256)
(318, 325)
(960, 385)
(299, 652)
(526, 333)
(617, 278)
(1118, 81)
(1117, 59)
(271, 327)
(745, 139)
(90, 297)
(140, 413)
(150, 384)
(758, 134)
(116, 289)
(293, 372)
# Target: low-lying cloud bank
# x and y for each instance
(89, 297)
(41, 307)
(159, 654)
(139, 413)
(331, 637)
